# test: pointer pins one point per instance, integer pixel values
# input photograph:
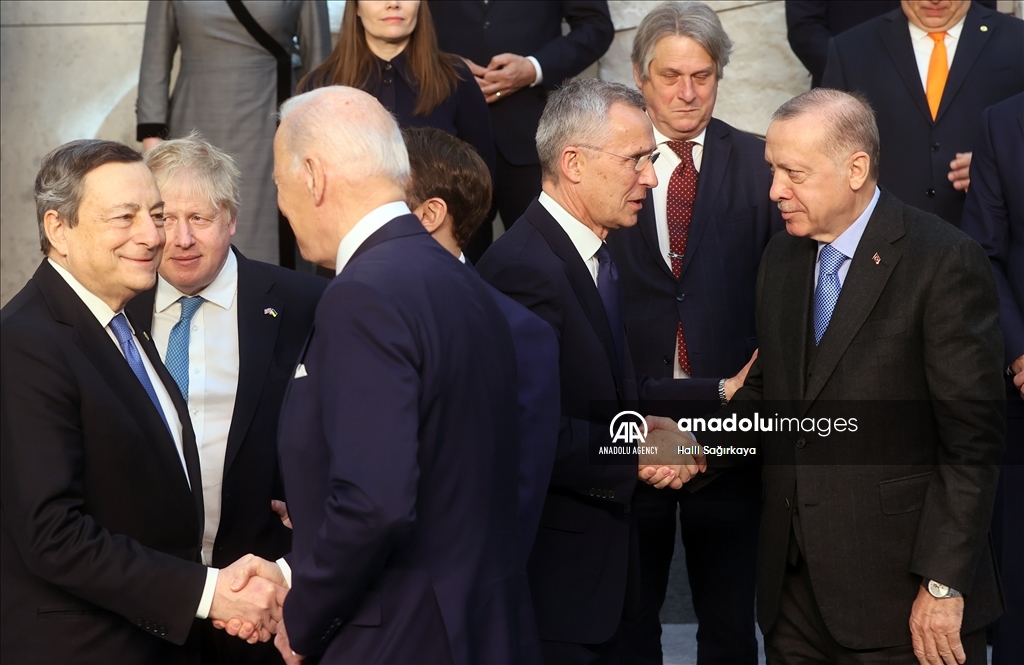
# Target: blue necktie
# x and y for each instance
(123, 333)
(827, 292)
(176, 359)
(608, 288)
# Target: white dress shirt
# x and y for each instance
(923, 46)
(365, 228)
(848, 240)
(212, 377)
(105, 315)
(583, 239)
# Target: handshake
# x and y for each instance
(666, 468)
(248, 602)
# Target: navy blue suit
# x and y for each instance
(877, 59)
(733, 219)
(994, 216)
(399, 449)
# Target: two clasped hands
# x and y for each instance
(666, 468)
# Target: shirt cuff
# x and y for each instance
(540, 72)
(206, 601)
(286, 570)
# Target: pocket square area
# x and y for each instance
(300, 371)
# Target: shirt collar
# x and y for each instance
(221, 291)
(583, 239)
(849, 239)
(917, 33)
(661, 139)
(365, 228)
(99, 309)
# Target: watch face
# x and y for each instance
(937, 590)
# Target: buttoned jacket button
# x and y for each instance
(930, 192)
(801, 442)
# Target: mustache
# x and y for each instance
(788, 208)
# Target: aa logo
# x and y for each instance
(628, 427)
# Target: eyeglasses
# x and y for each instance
(639, 163)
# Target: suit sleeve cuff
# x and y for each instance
(148, 130)
(286, 570)
(206, 600)
(540, 73)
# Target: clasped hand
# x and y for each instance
(667, 467)
(248, 599)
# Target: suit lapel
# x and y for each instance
(972, 41)
(257, 337)
(796, 291)
(896, 36)
(581, 281)
(712, 171)
(648, 223)
(861, 288)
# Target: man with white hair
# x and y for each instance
(399, 444)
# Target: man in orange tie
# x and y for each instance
(929, 70)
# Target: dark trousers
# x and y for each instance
(219, 648)
(1008, 539)
(718, 525)
(515, 187)
(800, 636)
(570, 653)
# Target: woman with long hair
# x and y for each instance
(388, 48)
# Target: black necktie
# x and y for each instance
(608, 287)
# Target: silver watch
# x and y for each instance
(940, 590)
(721, 392)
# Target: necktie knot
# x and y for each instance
(122, 331)
(189, 306)
(937, 36)
(831, 260)
(603, 256)
(684, 149)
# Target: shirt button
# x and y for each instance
(387, 81)
(487, 24)
(935, 147)
(195, 328)
(195, 412)
(387, 66)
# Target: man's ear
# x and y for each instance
(316, 178)
(432, 213)
(859, 168)
(571, 163)
(636, 77)
(56, 232)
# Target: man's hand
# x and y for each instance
(505, 74)
(666, 468)
(150, 143)
(935, 629)
(281, 508)
(1018, 374)
(736, 382)
(248, 597)
(282, 644)
(960, 171)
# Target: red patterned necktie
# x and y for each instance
(682, 192)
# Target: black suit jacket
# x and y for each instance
(913, 352)
(877, 59)
(480, 31)
(733, 219)
(580, 561)
(101, 532)
(268, 347)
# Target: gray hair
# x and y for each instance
(350, 129)
(577, 114)
(848, 122)
(211, 171)
(60, 181)
(680, 19)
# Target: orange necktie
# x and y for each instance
(938, 71)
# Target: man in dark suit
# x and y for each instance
(692, 318)
(450, 191)
(870, 311)
(398, 436)
(929, 71)
(595, 145)
(230, 330)
(101, 485)
(518, 54)
(994, 216)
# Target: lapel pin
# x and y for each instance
(271, 311)
(146, 335)
(876, 258)
(984, 28)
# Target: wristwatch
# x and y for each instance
(940, 590)
(721, 392)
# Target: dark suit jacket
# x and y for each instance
(100, 533)
(481, 31)
(994, 212)
(913, 352)
(877, 59)
(733, 219)
(580, 560)
(268, 347)
(400, 451)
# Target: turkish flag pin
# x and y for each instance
(876, 258)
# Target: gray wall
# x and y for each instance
(69, 70)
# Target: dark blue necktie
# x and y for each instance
(827, 293)
(608, 287)
(123, 333)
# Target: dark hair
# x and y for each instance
(450, 169)
(353, 64)
(59, 183)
